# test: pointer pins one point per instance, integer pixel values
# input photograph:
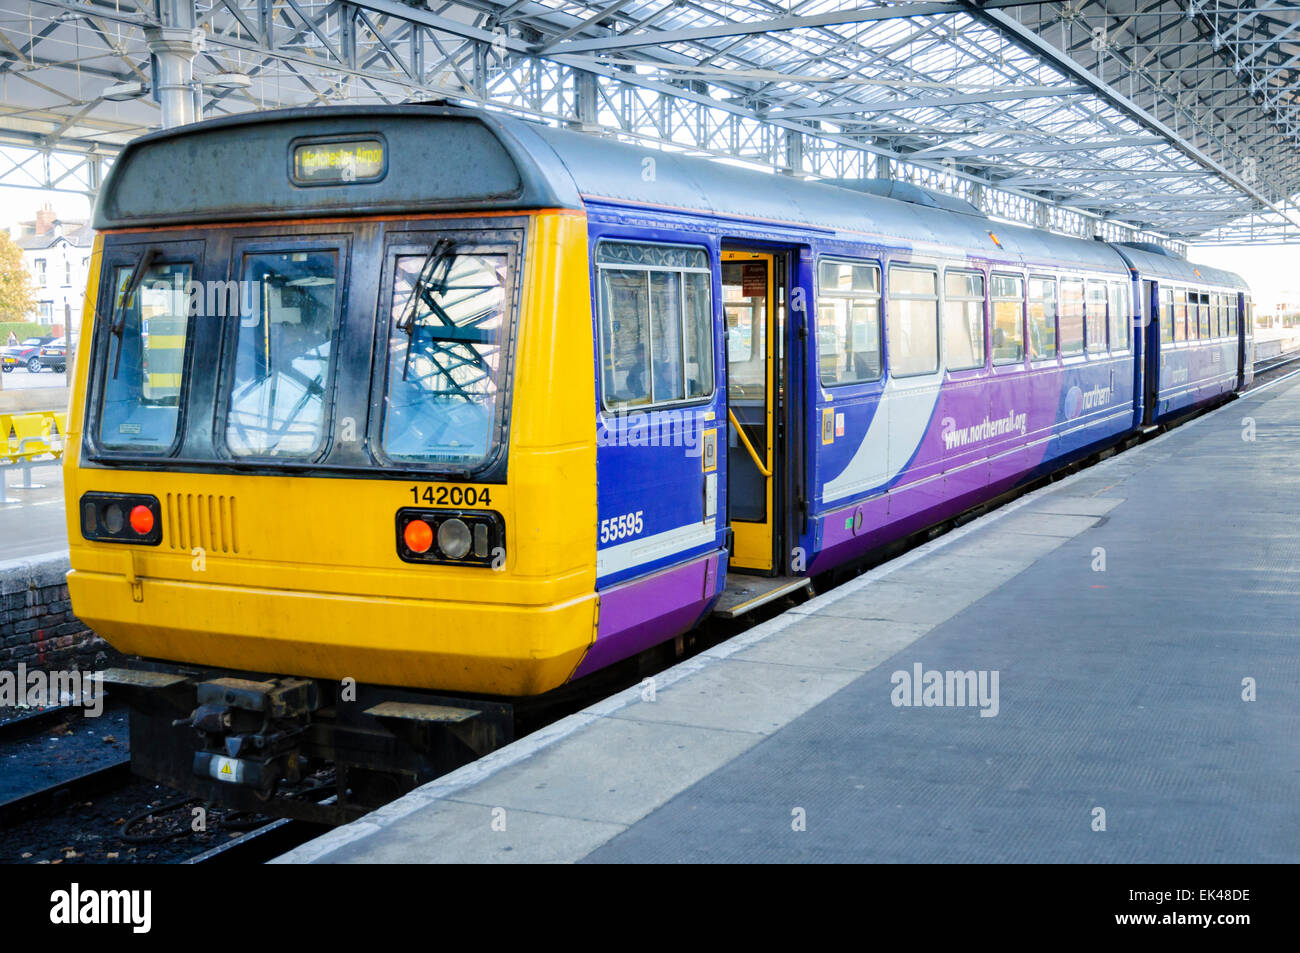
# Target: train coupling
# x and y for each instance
(252, 730)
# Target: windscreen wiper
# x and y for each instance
(124, 301)
(425, 287)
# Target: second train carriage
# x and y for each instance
(501, 405)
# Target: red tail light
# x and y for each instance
(418, 536)
(142, 520)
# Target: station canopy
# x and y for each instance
(1171, 122)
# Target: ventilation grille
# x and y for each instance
(202, 520)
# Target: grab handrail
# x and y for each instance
(753, 455)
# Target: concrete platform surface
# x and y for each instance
(1130, 635)
(32, 520)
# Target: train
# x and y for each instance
(391, 418)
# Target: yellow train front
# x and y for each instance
(333, 420)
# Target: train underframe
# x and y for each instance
(308, 749)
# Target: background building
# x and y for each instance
(57, 255)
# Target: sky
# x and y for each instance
(1272, 271)
(20, 205)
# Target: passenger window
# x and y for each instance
(448, 321)
(1232, 315)
(1096, 315)
(1204, 315)
(1180, 314)
(848, 322)
(1120, 297)
(1071, 316)
(145, 362)
(656, 322)
(1042, 318)
(1008, 319)
(282, 354)
(1166, 315)
(963, 320)
(912, 321)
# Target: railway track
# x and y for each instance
(1277, 365)
(260, 845)
(42, 719)
(59, 795)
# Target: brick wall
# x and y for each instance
(36, 621)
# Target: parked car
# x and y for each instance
(26, 353)
(55, 355)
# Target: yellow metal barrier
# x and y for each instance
(31, 435)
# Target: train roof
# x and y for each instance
(607, 170)
(1153, 264)
(438, 158)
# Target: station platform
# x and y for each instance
(1141, 617)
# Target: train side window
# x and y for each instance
(1120, 323)
(1166, 315)
(1008, 319)
(912, 321)
(655, 323)
(1096, 317)
(1071, 316)
(1180, 314)
(848, 321)
(963, 319)
(1042, 318)
(1232, 315)
(1221, 312)
(140, 407)
(1203, 314)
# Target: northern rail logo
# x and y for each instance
(954, 436)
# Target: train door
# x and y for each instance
(1152, 320)
(752, 308)
(1245, 322)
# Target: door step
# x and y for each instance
(746, 593)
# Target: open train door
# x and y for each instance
(755, 296)
(1152, 320)
(1245, 325)
(751, 318)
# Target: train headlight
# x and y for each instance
(121, 518)
(451, 537)
(454, 538)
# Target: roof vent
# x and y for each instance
(1153, 249)
(907, 192)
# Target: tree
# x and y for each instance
(17, 300)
